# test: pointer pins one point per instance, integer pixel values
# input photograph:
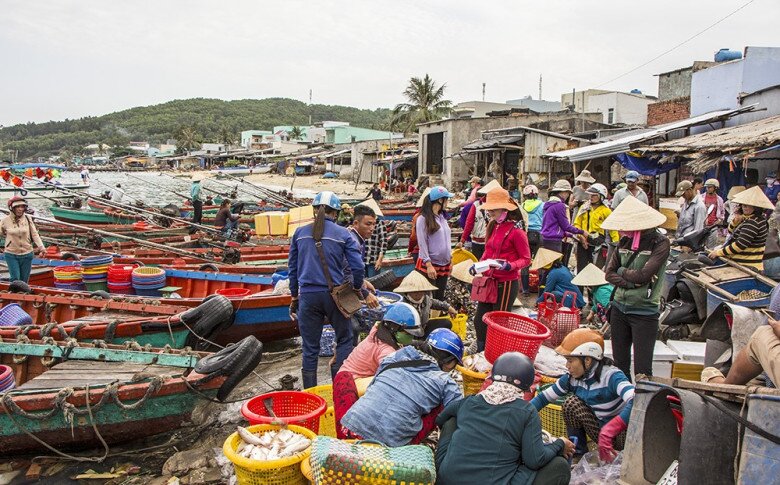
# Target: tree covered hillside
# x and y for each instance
(211, 119)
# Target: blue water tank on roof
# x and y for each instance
(725, 55)
(636, 91)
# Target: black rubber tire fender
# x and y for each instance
(213, 311)
(239, 373)
(19, 286)
(392, 240)
(101, 294)
(211, 266)
(70, 256)
(383, 280)
(224, 361)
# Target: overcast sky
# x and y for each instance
(72, 58)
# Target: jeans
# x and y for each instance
(197, 211)
(313, 309)
(19, 266)
(230, 226)
(638, 330)
(477, 249)
(507, 293)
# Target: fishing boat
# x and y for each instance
(41, 191)
(77, 216)
(83, 395)
(240, 170)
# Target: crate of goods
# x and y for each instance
(292, 407)
(252, 463)
(271, 224)
(367, 317)
(300, 216)
(510, 332)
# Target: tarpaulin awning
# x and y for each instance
(644, 165)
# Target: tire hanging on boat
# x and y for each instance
(207, 319)
(383, 280)
(19, 286)
(245, 367)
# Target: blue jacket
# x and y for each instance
(611, 395)
(772, 191)
(534, 208)
(306, 274)
(559, 281)
(392, 408)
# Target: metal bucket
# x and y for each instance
(760, 458)
(734, 287)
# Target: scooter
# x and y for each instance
(684, 303)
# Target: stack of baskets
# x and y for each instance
(12, 315)
(95, 272)
(69, 278)
(7, 378)
(120, 279)
(148, 280)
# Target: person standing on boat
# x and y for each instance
(84, 174)
(20, 234)
(197, 203)
(117, 194)
(326, 242)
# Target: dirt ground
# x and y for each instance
(311, 183)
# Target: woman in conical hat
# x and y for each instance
(636, 269)
(749, 230)
(416, 290)
(594, 278)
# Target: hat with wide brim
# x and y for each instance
(498, 199)
(585, 176)
(415, 281)
(560, 186)
(591, 275)
(461, 271)
(544, 257)
(197, 177)
(755, 197)
(422, 197)
(633, 215)
(372, 204)
(734, 191)
(492, 185)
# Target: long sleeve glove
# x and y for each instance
(607, 435)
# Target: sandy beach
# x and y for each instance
(307, 185)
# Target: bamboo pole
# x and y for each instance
(710, 286)
(748, 271)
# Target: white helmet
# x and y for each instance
(530, 189)
(588, 349)
(598, 189)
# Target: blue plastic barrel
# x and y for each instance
(278, 276)
(734, 287)
(725, 55)
(759, 457)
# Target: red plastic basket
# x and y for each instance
(234, 292)
(510, 332)
(292, 407)
(561, 320)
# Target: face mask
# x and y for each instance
(403, 338)
(770, 181)
(502, 217)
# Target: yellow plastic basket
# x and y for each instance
(460, 255)
(327, 420)
(286, 471)
(459, 324)
(552, 420)
(472, 380)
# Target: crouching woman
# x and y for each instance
(602, 395)
(496, 437)
(409, 390)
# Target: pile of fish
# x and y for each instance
(478, 363)
(746, 295)
(271, 445)
(385, 300)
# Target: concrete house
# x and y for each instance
(616, 107)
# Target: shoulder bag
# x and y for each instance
(484, 288)
(347, 299)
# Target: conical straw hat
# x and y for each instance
(372, 203)
(544, 257)
(734, 191)
(591, 275)
(422, 197)
(753, 196)
(461, 271)
(415, 281)
(493, 184)
(633, 215)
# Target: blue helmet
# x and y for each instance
(327, 198)
(448, 341)
(439, 192)
(405, 316)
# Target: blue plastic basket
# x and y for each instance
(327, 341)
(154, 292)
(12, 315)
(367, 317)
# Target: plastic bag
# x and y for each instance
(590, 471)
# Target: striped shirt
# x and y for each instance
(376, 244)
(609, 396)
(748, 241)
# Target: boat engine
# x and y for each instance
(94, 241)
(170, 210)
(231, 255)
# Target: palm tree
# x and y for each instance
(296, 133)
(425, 103)
(226, 137)
(187, 139)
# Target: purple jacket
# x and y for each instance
(555, 224)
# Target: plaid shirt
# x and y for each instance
(376, 244)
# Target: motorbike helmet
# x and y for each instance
(598, 189)
(328, 199)
(514, 368)
(712, 182)
(530, 189)
(439, 192)
(578, 337)
(16, 201)
(405, 316)
(448, 341)
(588, 349)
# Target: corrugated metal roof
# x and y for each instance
(496, 141)
(637, 137)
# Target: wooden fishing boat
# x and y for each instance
(41, 191)
(77, 216)
(77, 397)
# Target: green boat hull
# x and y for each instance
(88, 217)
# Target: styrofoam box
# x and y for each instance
(663, 357)
(688, 351)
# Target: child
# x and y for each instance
(416, 290)
(558, 279)
(601, 293)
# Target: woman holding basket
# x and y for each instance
(507, 251)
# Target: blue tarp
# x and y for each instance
(726, 176)
(25, 166)
(645, 166)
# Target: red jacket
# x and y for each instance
(413, 248)
(512, 247)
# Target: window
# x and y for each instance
(611, 115)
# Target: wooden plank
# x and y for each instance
(42, 384)
(108, 355)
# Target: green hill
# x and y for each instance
(157, 123)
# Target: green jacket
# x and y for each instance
(496, 445)
(639, 283)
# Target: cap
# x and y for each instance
(632, 176)
(682, 187)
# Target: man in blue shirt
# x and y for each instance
(312, 302)
(197, 203)
(772, 187)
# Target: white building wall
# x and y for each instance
(628, 108)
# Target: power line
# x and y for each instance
(677, 46)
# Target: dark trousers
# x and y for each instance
(553, 245)
(477, 249)
(441, 284)
(313, 310)
(566, 249)
(524, 273)
(584, 256)
(507, 293)
(556, 472)
(638, 330)
(197, 211)
(582, 422)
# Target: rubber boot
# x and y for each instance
(309, 378)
